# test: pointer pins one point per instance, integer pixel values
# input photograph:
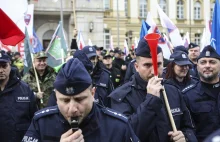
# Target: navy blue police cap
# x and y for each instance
(4, 57)
(90, 51)
(208, 52)
(84, 59)
(180, 58)
(73, 78)
(143, 49)
(192, 45)
(181, 48)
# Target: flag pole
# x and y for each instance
(37, 79)
(74, 13)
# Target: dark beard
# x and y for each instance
(209, 78)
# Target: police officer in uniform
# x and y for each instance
(74, 92)
(100, 77)
(194, 51)
(141, 100)
(177, 71)
(202, 98)
(115, 73)
(17, 103)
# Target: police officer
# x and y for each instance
(177, 71)
(100, 77)
(17, 103)
(75, 99)
(46, 76)
(202, 98)
(141, 100)
(115, 73)
(194, 51)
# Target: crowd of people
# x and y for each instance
(114, 98)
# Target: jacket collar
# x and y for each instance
(138, 82)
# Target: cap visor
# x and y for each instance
(182, 63)
(91, 55)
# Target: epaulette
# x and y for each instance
(115, 114)
(45, 112)
(191, 86)
(134, 60)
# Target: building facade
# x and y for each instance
(98, 20)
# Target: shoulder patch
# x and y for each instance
(45, 112)
(115, 114)
(191, 86)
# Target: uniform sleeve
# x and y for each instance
(187, 125)
(143, 121)
(129, 73)
(33, 104)
(32, 134)
(130, 135)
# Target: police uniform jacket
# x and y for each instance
(193, 71)
(102, 81)
(101, 125)
(181, 85)
(147, 113)
(115, 76)
(130, 71)
(17, 107)
(204, 107)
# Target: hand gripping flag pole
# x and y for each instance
(152, 40)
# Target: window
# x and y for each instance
(126, 8)
(211, 10)
(106, 39)
(163, 5)
(180, 9)
(197, 38)
(106, 4)
(143, 8)
(197, 11)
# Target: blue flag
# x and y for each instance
(144, 28)
(215, 35)
(37, 46)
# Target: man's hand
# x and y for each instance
(39, 95)
(69, 136)
(75, 33)
(177, 136)
(154, 86)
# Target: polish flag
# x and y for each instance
(81, 43)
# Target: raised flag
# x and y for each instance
(144, 29)
(27, 53)
(173, 31)
(135, 42)
(111, 46)
(81, 43)
(215, 34)
(10, 34)
(57, 49)
(162, 42)
(36, 44)
(186, 40)
(126, 50)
